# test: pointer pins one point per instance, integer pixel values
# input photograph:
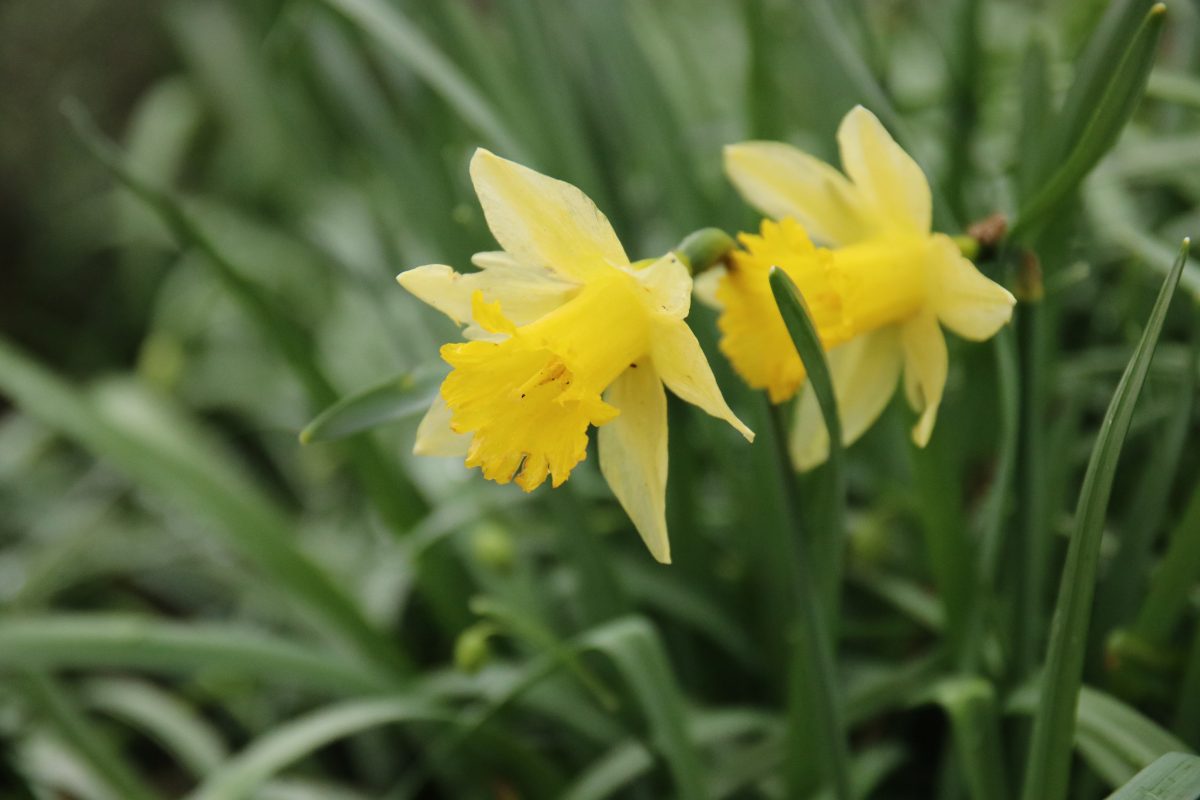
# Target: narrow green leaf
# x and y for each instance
(409, 43)
(812, 674)
(1176, 576)
(1121, 739)
(975, 724)
(1106, 46)
(88, 742)
(162, 716)
(120, 641)
(1174, 87)
(244, 773)
(1173, 777)
(1050, 750)
(392, 400)
(1187, 716)
(1106, 118)
(638, 654)
(173, 458)
(828, 546)
(393, 494)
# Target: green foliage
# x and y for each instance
(222, 575)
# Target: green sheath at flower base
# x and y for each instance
(704, 248)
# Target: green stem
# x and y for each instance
(77, 732)
(704, 249)
(813, 691)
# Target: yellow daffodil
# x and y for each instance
(879, 289)
(564, 333)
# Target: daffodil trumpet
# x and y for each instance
(878, 283)
(564, 333)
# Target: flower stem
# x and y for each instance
(813, 690)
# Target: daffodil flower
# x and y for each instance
(564, 333)
(879, 289)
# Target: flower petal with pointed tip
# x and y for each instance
(543, 221)
(680, 361)
(926, 363)
(884, 173)
(783, 181)
(633, 453)
(966, 302)
(526, 293)
(434, 437)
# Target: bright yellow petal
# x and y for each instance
(543, 221)
(434, 437)
(668, 285)
(925, 367)
(633, 453)
(884, 173)
(527, 293)
(965, 301)
(864, 373)
(753, 335)
(684, 369)
(782, 181)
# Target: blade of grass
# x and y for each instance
(395, 399)
(125, 642)
(1174, 87)
(827, 548)
(637, 652)
(1144, 520)
(175, 461)
(397, 500)
(970, 703)
(1105, 120)
(1168, 597)
(814, 681)
(1187, 716)
(88, 742)
(409, 43)
(163, 716)
(1173, 777)
(1110, 729)
(1050, 751)
(243, 774)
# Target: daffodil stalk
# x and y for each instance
(564, 333)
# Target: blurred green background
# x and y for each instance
(195, 604)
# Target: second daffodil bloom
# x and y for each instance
(564, 333)
(879, 289)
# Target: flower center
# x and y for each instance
(529, 399)
(753, 335)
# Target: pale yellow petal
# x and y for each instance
(884, 173)
(680, 361)
(704, 286)
(633, 453)
(434, 437)
(543, 221)
(783, 181)
(864, 371)
(925, 366)
(966, 301)
(668, 285)
(525, 293)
